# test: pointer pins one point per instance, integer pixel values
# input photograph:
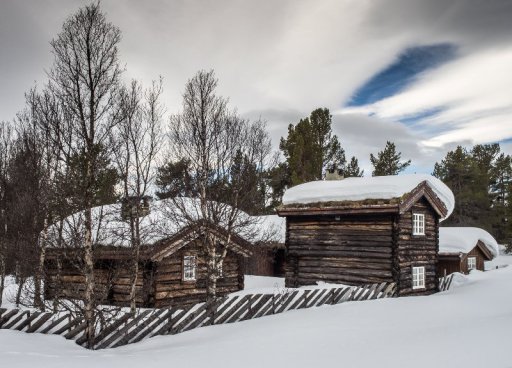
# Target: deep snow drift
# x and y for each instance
(468, 326)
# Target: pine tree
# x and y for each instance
(174, 178)
(310, 148)
(501, 189)
(353, 169)
(460, 172)
(388, 161)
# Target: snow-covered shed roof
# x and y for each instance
(272, 226)
(464, 239)
(164, 221)
(366, 188)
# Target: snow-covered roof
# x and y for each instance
(463, 239)
(272, 226)
(164, 220)
(358, 189)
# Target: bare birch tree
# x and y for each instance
(139, 141)
(85, 79)
(221, 148)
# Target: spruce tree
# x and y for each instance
(388, 161)
(353, 169)
(460, 172)
(310, 148)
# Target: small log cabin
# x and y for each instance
(269, 254)
(462, 249)
(171, 271)
(366, 230)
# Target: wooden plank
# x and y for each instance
(320, 294)
(449, 282)
(124, 335)
(340, 297)
(204, 315)
(35, 326)
(149, 327)
(253, 303)
(68, 326)
(16, 320)
(258, 307)
(227, 309)
(164, 326)
(237, 313)
(284, 303)
(267, 308)
(75, 331)
(112, 336)
(107, 330)
(189, 318)
(31, 316)
(361, 293)
(378, 290)
(173, 320)
(389, 291)
(7, 316)
(329, 296)
(54, 324)
(302, 302)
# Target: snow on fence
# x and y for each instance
(127, 329)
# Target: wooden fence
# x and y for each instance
(445, 282)
(127, 329)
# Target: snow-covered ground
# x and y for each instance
(468, 326)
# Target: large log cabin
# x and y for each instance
(462, 249)
(366, 230)
(172, 268)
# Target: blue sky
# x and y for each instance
(402, 72)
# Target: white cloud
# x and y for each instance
(473, 92)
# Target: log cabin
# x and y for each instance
(366, 230)
(269, 254)
(462, 249)
(172, 267)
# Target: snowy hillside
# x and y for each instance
(468, 326)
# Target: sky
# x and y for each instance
(427, 75)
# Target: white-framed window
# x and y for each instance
(418, 277)
(418, 224)
(189, 268)
(471, 263)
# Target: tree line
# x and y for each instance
(481, 181)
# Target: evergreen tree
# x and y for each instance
(458, 171)
(501, 189)
(353, 169)
(279, 180)
(72, 182)
(388, 161)
(310, 148)
(175, 179)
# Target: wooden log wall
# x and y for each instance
(448, 266)
(171, 289)
(352, 250)
(67, 280)
(417, 250)
(452, 264)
